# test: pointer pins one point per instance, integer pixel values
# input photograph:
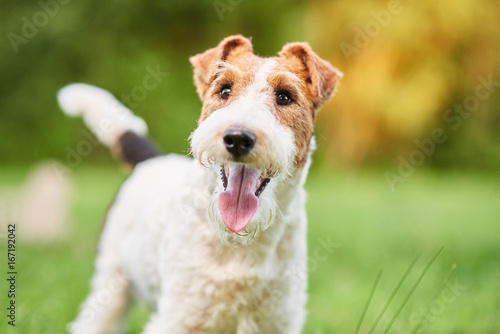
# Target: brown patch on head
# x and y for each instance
(297, 115)
(307, 79)
(320, 76)
(316, 83)
(205, 64)
(236, 73)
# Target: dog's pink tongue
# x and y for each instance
(238, 203)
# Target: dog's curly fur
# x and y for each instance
(165, 239)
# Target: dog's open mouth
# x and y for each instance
(240, 198)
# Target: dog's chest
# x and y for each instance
(220, 298)
(177, 262)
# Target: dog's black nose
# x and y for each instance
(239, 142)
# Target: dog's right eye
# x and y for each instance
(283, 98)
(225, 92)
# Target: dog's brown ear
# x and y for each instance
(319, 74)
(205, 64)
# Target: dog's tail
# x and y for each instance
(113, 124)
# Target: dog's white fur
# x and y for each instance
(275, 153)
(164, 239)
(102, 112)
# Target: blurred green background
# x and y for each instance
(404, 66)
(408, 149)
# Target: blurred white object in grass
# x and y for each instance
(40, 207)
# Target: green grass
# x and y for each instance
(373, 229)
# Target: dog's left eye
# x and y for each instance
(225, 92)
(283, 99)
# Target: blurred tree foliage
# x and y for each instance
(399, 81)
(409, 67)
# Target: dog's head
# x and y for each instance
(256, 126)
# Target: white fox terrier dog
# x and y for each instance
(214, 243)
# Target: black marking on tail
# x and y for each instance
(135, 149)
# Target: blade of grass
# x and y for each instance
(453, 267)
(413, 288)
(394, 292)
(377, 279)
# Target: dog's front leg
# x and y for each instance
(162, 322)
(103, 310)
(155, 325)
